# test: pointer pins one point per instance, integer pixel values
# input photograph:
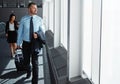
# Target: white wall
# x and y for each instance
(110, 51)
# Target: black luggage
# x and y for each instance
(19, 60)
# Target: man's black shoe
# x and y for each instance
(28, 75)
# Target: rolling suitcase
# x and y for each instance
(19, 60)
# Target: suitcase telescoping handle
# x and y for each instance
(18, 51)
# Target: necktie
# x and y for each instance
(31, 28)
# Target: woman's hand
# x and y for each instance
(6, 35)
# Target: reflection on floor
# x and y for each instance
(8, 73)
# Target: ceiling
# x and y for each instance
(18, 3)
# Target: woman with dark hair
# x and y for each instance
(11, 33)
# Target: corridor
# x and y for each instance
(8, 73)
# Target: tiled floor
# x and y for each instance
(8, 73)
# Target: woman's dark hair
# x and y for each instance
(31, 3)
(11, 16)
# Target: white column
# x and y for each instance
(57, 23)
(96, 41)
(75, 40)
(87, 36)
(51, 16)
(46, 14)
(64, 22)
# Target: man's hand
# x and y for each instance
(35, 35)
(18, 47)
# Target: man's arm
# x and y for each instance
(20, 32)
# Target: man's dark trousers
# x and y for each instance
(27, 54)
